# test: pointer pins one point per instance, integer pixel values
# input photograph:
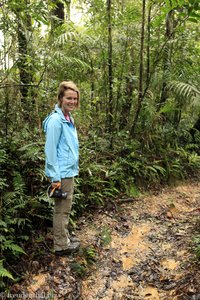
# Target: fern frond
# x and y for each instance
(17, 249)
(183, 89)
(3, 156)
(13, 247)
(3, 183)
(4, 272)
(18, 183)
(168, 107)
(3, 224)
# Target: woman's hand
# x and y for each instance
(56, 185)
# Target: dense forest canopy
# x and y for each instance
(137, 66)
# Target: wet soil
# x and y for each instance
(137, 249)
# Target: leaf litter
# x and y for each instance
(130, 250)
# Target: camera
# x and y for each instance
(56, 192)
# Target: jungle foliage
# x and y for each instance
(137, 66)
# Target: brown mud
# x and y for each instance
(137, 249)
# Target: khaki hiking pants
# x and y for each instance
(62, 209)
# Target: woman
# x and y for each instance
(61, 166)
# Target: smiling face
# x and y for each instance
(69, 101)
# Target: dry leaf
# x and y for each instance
(38, 282)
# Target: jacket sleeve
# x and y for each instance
(53, 133)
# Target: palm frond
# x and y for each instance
(64, 38)
(183, 89)
(70, 60)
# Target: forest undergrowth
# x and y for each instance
(144, 247)
(112, 185)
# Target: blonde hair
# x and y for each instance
(67, 85)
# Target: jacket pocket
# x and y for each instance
(67, 160)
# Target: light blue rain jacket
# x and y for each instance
(61, 148)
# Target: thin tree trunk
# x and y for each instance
(148, 45)
(24, 71)
(68, 9)
(195, 128)
(6, 112)
(177, 115)
(140, 88)
(59, 11)
(6, 90)
(110, 70)
(118, 109)
(167, 58)
(25, 68)
(126, 107)
(58, 14)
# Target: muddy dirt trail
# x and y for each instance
(143, 252)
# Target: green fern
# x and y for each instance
(4, 272)
(16, 198)
(15, 248)
(3, 156)
(90, 254)
(18, 183)
(32, 152)
(168, 107)
(8, 244)
(3, 183)
(194, 160)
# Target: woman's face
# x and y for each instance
(69, 101)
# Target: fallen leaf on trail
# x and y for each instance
(169, 215)
(38, 282)
(170, 264)
(56, 280)
(172, 212)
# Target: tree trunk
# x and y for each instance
(140, 88)
(118, 108)
(195, 128)
(25, 65)
(68, 9)
(148, 45)
(167, 58)
(6, 113)
(126, 107)
(24, 70)
(58, 14)
(110, 70)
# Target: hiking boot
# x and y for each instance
(72, 248)
(74, 239)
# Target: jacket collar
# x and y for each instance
(59, 111)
